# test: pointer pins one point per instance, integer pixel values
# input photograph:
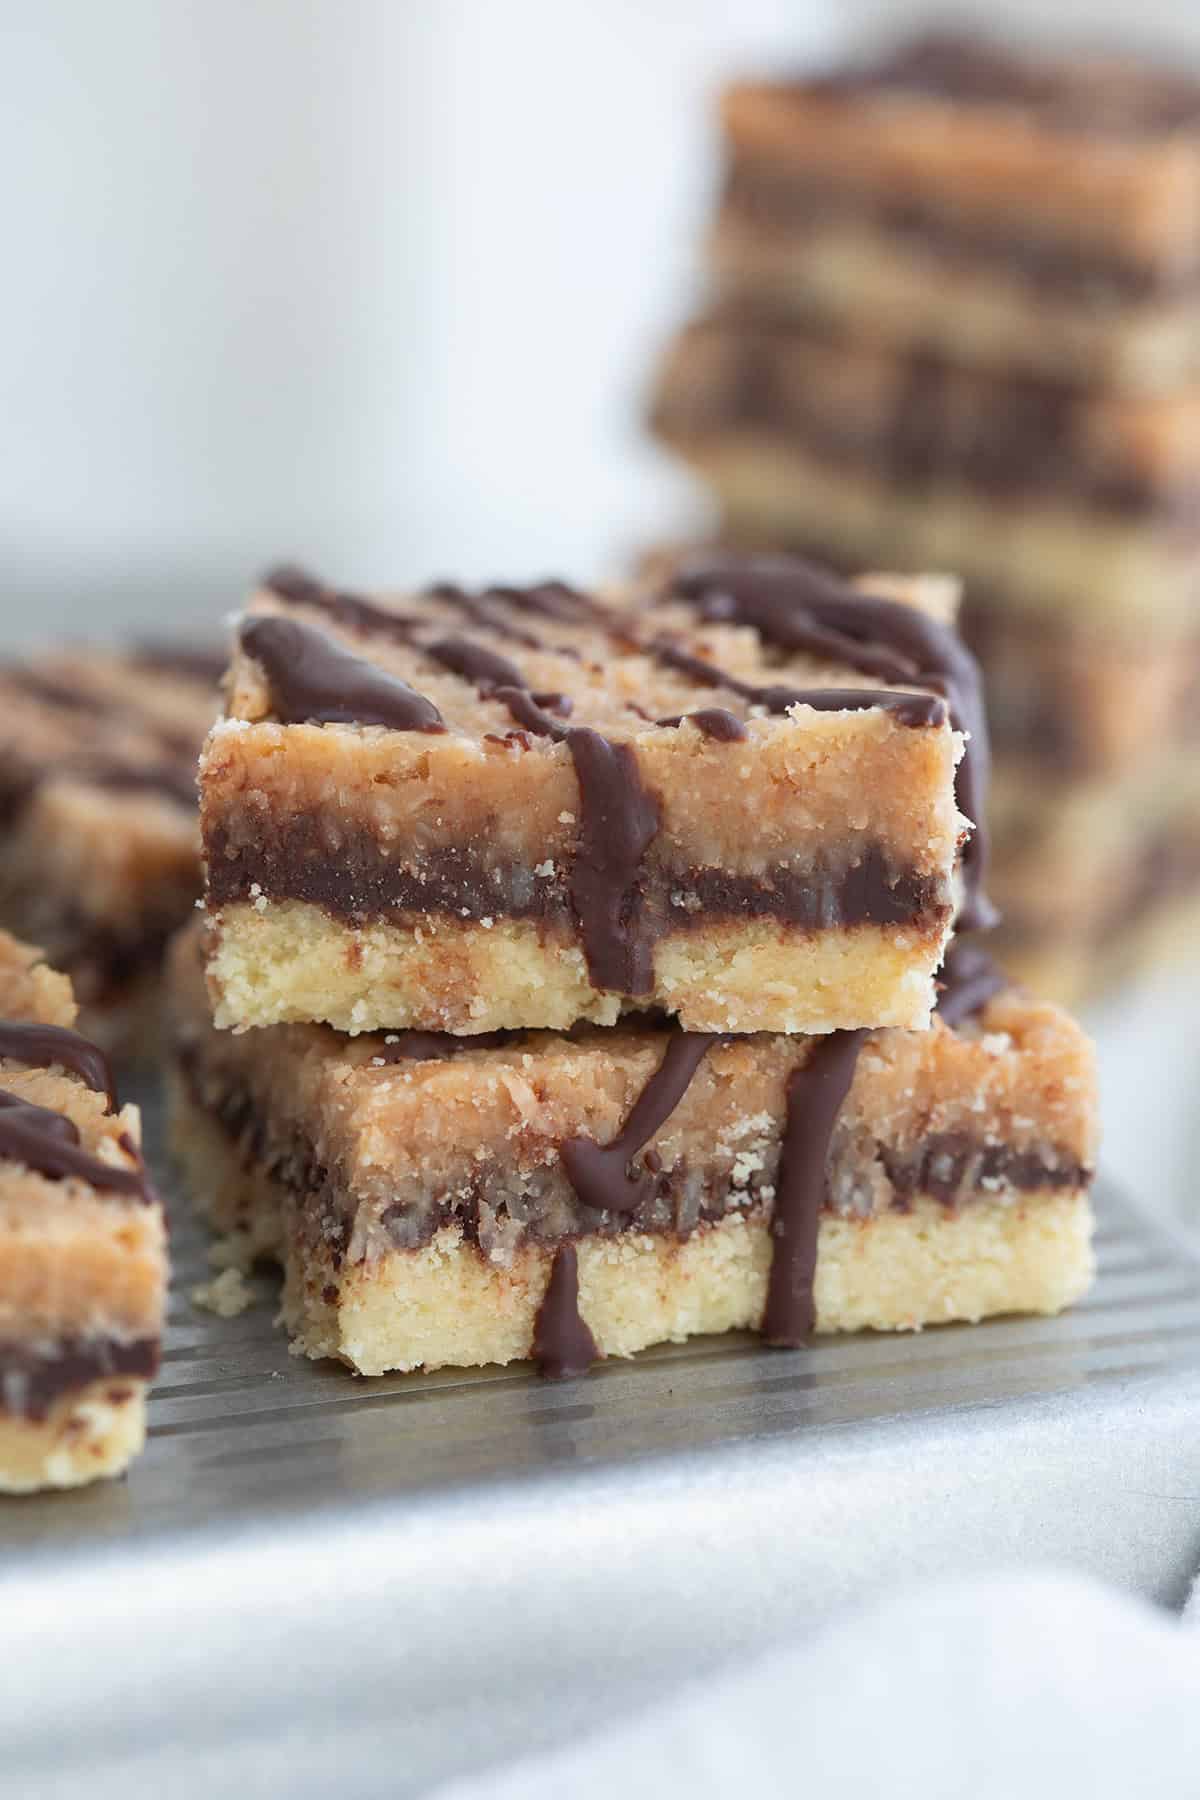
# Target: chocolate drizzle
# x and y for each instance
(712, 722)
(41, 1046)
(816, 1091)
(908, 709)
(314, 681)
(806, 610)
(562, 1343)
(48, 1142)
(599, 1173)
(620, 820)
(475, 663)
(969, 979)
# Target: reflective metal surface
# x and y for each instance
(310, 1581)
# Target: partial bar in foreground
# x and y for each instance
(436, 1202)
(83, 1263)
(739, 799)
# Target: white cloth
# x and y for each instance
(1030, 1686)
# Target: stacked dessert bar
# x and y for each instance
(99, 846)
(955, 325)
(569, 978)
(82, 1245)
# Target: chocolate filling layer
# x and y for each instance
(289, 859)
(544, 1209)
(1116, 97)
(1022, 436)
(766, 199)
(31, 1381)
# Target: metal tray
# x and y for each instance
(311, 1583)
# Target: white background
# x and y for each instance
(378, 284)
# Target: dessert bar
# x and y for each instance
(82, 1245)
(738, 797)
(1094, 876)
(1077, 701)
(446, 1201)
(99, 846)
(1065, 499)
(1040, 215)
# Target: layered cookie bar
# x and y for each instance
(1068, 501)
(733, 798)
(99, 843)
(448, 1201)
(1076, 701)
(1028, 214)
(82, 1245)
(1094, 875)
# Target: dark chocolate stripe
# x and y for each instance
(32, 1380)
(562, 1343)
(482, 667)
(806, 610)
(482, 610)
(816, 1091)
(41, 1046)
(313, 681)
(916, 710)
(618, 823)
(969, 979)
(364, 880)
(794, 205)
(950, 1165)
(350, 611)
(552, 600)
(1024, 436)
(712, 722)
(599, 1173)
(1119, 97)
(48, 1142)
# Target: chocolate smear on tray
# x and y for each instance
(968, 980)
(806, 610)
(599, 1173)
(48, 1142)
(815, 1093)
(314, 681)
(40, 1046)
(562, 1343)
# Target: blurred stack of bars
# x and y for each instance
(955, 323)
